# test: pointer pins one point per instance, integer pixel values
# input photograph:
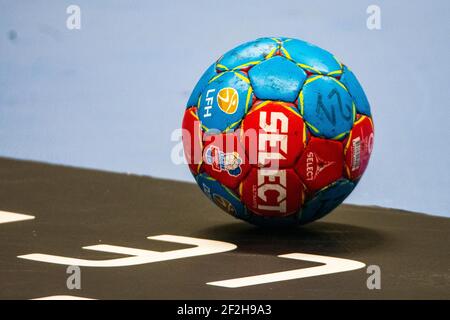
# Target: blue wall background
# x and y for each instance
(109, 95)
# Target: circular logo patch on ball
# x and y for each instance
(228, 100)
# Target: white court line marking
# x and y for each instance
(330, 265)
(62, 297)
(6, 217)
(138, 256)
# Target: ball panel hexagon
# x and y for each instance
(310, 57)
(327, 107)
(321, 163)
(277, 79)
(272, 192)
(224, 101)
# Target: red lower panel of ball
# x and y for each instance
(359, 147)
(321, 163)
(192, 139)
(271, 192)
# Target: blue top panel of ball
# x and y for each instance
(225, 101)
(356, 91)
(311, 57)
(327, 107)
(277, 79)
(248, 54)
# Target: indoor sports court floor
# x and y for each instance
(68, 208)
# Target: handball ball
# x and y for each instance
(277, 131)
